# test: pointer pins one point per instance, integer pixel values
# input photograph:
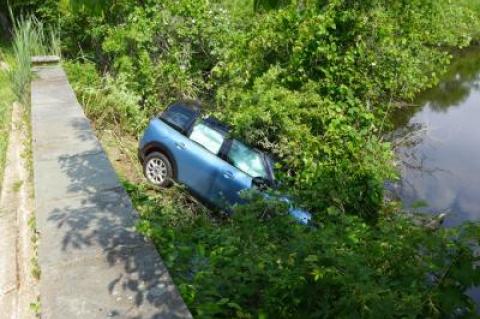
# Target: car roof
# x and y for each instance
(194, 107)
(189, 106)
(216, 124)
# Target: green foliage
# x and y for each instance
(106, 99)
(46, 10)
(314, 75)
(30, 38)
(6, 100)
(319, 79)
(261, 5)
(312, 82)
(261, 263)
(165, 50)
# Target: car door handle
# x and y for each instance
(180, 145)
(228, 174)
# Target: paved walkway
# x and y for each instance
(94, 264)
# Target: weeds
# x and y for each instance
(32, 223)
(36, 307)
(17, 185)
(6, 99)
(30, 38)
(100, 98)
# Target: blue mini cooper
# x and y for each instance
(195, 151)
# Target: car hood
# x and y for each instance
(301, 215)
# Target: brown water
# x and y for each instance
(439, 158)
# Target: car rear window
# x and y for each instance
(208, 137)
(247, 160)
(179, 117)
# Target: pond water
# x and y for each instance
(439, 156)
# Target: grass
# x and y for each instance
(30, 38)
(17, 185)
(7, 97)
(36, 308)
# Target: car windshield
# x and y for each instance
(208, 137)
(178, 116)
(247, 160)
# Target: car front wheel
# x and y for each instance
(158, 169)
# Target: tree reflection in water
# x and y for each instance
(437, 142)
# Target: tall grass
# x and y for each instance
(30, 38)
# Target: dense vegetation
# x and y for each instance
(312, 82)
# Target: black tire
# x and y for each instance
(158, 169)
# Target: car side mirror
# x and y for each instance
(261, 183)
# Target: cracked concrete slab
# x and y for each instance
(94, 264)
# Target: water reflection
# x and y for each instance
(439, 145)
(462, 77)
(456, 86)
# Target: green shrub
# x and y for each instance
(312, 82)
(316, 76)
(261, 264)
(106, 99)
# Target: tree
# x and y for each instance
(262, 5)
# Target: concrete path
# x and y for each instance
(94, 264)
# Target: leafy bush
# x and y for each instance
(319, 77)
(257, 267)
(312, 82)
(164, 50)
(313, 75)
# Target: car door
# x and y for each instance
(241, 165)
(197, 160)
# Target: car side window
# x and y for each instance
(247, 160)
(208, 137)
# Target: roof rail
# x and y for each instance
(217, 124)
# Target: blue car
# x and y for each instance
(182, 145)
